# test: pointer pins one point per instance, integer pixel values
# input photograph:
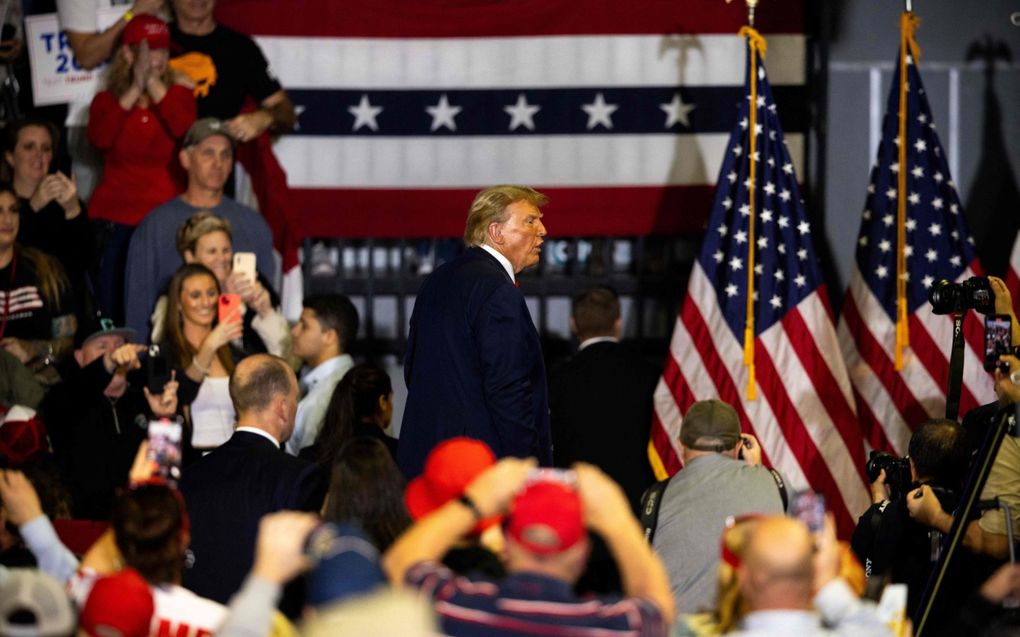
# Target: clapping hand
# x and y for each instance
(140, 69)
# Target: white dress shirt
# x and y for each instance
(503, 261)
(320, 383)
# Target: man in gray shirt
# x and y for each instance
(720, 479)
(207, 155)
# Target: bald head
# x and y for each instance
(776, 571)
(264, 391)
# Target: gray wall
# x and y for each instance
(863, 40)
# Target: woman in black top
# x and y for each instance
(361, 405)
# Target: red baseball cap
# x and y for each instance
(119, 604)
(449, 469)
(22, 434)
(147, 27)
(546, 517)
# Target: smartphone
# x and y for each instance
(165, 448)
(157, 368)
(809, 508)
(228, 304)
(998, 340)
(60, 164)
(244, 263)
(565, 477)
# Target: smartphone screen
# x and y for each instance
(244, 263)
(998, 338)
(228, 304)
(809, 508)
(165, 448)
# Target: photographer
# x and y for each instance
(722, 476)
(887, 541)
(97, 417)
(987, 535)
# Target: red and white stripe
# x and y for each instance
(892, 403)
(804, 415)
(1013, 273)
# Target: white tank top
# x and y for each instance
(212, 414)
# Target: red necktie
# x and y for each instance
(517, 283)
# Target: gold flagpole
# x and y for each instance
(757, 48)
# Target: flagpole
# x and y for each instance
(756, 45)
(908, 48)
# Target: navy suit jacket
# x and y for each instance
(473, 365)
(227, 492)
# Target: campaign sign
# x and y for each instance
(56, 75)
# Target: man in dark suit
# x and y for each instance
(230, 489)
(474, 363)
(601, 399)
(601, 411)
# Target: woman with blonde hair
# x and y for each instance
(208, 239)
(136, 122)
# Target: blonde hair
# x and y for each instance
(730, 603)
(490, 207)
(120, 76)
(197, 226)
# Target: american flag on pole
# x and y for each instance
(803, 411)
(1012, 279)
(935, 245)
(616, 111)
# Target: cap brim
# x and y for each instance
(420, 503)
(418, 499)
(129, 335)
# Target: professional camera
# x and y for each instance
(975, 293)
(897, 472)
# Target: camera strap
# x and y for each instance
(955, 369)
(650, 501)
(781, 485)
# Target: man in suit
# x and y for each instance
(474, 363)
(600, 404)
(601, 399)
(230, 489)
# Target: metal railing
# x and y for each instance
(382, 277)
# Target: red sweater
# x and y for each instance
(140, 151)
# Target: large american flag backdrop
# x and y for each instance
(618, 111)
(892, 402)
(795, 395)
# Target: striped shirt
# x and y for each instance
(529, 604)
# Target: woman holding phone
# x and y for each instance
(198, 345)
(205, 238)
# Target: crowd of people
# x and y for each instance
(513, 502)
